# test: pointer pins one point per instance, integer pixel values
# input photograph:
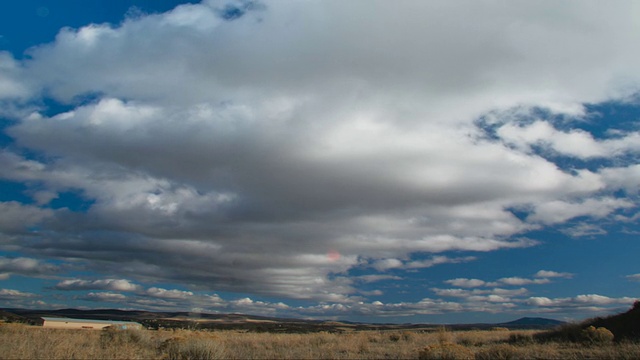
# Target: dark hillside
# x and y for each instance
(625, 326)
(11, 317)
(532, 323)
(620, 327)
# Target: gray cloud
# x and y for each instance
(27, 267)
(9, 294)
(16, 298)
(17, 218)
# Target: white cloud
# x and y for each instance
(245, 160)
(168, 294)
(633, 277)
(11, 84)
(579, 301)
(386, 264)
(584, 229)
(552, 274)
(105, 296)
(541, 277)
(375, 278)
(437, 260)
(518, 281)
(102, 284)
(541, 301)
(575, 143)
(623, 177)
(465, 293)
(249, 306)
(425, 306)
(558, 211)
(466, 283)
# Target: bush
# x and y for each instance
(444, 336)
(407, 335)
(564, 333)
(467, 341)
(625, 326)
(576, 334)
(599, 335)
(497, 352)
(181, 349)
(445, 351)
(520, 339)
(111, 336)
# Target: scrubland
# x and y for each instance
(19, 341)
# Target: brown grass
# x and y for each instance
(31, 342)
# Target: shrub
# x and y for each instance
(181, 349)
(599, 335)
(445, 351)
(110, 336)
(564, 333)
(374, 338)
(497, 352)
(469, 340)
(576, 334)
(394, 337)
(625, 326)
(407, 335)
(444, 336)
(499, 329)
(520, 339)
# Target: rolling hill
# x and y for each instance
(157, 320)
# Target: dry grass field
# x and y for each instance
(19, 341)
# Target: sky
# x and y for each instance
(378, 161)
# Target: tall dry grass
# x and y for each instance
(30, 342)
(19, 341)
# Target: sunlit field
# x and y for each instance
(19, 341)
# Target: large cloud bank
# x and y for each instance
(272, 151)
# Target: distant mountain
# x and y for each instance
(532, 322)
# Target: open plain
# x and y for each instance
(20, 341)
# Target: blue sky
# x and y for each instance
(442, 162)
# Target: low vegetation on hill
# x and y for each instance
(618, 328)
